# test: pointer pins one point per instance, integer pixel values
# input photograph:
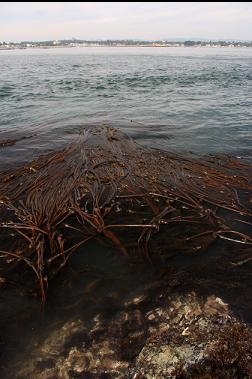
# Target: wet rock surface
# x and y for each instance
(194, 338)
(167, 336)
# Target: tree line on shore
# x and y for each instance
(125, 42)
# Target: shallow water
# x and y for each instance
(96, 281)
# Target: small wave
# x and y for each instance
(6, 90)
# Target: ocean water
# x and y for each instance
(179, 99)
(185, 99)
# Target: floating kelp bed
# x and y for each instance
(145, 202)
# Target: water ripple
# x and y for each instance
(202, 96)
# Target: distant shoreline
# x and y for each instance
(121, 46)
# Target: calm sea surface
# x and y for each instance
(187, 99)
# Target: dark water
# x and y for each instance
(196, 99)
(183, 99)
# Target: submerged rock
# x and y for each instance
(195, 339)
(173, 337)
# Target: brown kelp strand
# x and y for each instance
(105, 185)
(10, 142)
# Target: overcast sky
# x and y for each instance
(147, 20)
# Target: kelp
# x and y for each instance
(144, 201)
(10, 142)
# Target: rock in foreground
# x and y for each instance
(179, 337)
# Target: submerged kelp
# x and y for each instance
(103, 185)
(10, 142)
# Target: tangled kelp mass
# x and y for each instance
(105, 185)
